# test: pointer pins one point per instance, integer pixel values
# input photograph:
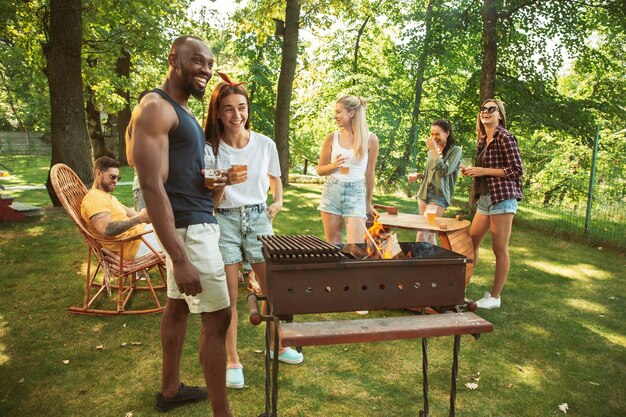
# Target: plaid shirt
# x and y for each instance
(502, 152)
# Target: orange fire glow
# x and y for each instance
(374, 238)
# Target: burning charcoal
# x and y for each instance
(353, 251)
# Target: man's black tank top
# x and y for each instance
(191, 201)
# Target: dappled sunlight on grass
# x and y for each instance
(35, 231)
(586, 305)
(97, 327)
(608, 335)
(527, 374)
(534, 330)
(578, 271)
(4, 331)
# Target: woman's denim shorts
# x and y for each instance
(432, 197)
(239, 228)
(343, 198)
(503, 207)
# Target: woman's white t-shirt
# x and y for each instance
(262, 158)
(357, 168)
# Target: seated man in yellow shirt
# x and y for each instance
(107, 217)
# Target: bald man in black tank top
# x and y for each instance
(165, 143)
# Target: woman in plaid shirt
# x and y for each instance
(497, 188)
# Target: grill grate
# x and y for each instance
(298, 247)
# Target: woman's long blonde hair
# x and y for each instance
(359, 124)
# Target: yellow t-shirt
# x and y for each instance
(97, 201)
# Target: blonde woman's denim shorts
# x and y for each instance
(503, 207)
(343, 198)
(239, 228)
(201, 247)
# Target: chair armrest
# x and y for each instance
(121, 240)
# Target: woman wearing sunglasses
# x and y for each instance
(497, 188)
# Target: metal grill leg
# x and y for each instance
(275, 369)
(424, 412)
(455, 373)
(268, 323)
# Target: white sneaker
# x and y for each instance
(362, 312)
(488, 302)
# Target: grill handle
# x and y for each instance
(256, 317)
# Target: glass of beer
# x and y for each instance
(239, 163)
(345, 168)
(431, 214)
(465, 163)
(211, 171)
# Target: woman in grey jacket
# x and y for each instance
(440, 173)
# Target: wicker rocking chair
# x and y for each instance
(123, 275)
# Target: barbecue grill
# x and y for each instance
(307, 275)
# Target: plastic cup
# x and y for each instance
(431, 214)
(211, 171)
(345, 168)
(239, 163)
(465, 163)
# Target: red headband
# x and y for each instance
(227, 80)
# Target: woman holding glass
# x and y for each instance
(348, 159)
(440, 173)
(497, 188)
(242, 212)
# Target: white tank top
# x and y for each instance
(357, 168)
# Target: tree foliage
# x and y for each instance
(559, 66)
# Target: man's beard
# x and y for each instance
(190, 87)
(196, 92)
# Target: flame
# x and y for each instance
(377, 228)
(375, 233)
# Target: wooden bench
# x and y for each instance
(7, 212)
(369, 330)
(381, 329)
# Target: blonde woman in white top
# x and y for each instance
(348, 159)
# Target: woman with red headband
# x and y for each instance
(242, 212)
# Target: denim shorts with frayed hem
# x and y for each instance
(343, 198)
(503, 207)
(432, 197)
(239, 228)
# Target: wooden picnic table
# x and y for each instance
(453, 234)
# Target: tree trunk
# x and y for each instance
(285, 86)
(94, 126)
(357, 44)
(490, 50)
(417, 103)
(69, 136)
(123, 116)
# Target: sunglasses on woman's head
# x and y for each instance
(490, 109)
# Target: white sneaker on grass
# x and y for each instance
(488, 302)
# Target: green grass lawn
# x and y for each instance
(560, 337)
